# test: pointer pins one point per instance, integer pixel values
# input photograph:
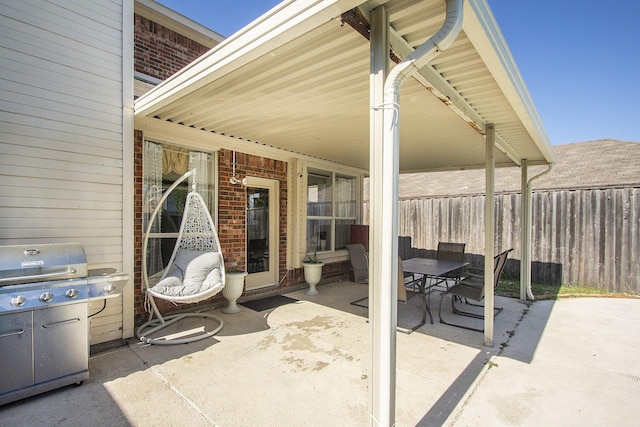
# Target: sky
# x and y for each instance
(580, 59)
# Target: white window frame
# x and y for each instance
(329, 254)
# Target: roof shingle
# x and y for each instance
(592, 164)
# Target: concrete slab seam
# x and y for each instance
(168, 384)
(184, 398)
(491, 362)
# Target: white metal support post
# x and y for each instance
(384, 207)
(489, 233)
(525, 235)
(382, 294)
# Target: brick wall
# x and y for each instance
(232, 214)
(159, 52)
(232, 203)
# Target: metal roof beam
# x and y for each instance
(431, 80)
(438, 86)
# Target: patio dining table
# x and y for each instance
(429, 268)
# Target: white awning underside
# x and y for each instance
(298, 79)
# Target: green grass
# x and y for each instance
(511, 288)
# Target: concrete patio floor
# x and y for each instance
(567, 362)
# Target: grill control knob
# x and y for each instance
(18, 301)
(109, 288)
(46, 297)
(71, 293)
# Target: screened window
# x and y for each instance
(331, 209)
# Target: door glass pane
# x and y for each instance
(257, 229)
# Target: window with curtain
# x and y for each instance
(162, 165)
(331, 209)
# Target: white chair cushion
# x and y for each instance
(193, 272)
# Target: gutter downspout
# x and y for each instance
(421, 57)
(385, 244)
(527, 209)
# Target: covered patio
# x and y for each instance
(384, 86)
(305, 363)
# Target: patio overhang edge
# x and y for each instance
(481, 25)
(276, 27)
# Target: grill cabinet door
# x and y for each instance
(61, 341)
(16, 355)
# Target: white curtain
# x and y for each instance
(152, 192)
(202, 163)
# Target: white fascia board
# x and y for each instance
(275, 28)
(483, 32)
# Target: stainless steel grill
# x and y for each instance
(44, 326)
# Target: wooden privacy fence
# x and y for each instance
(583, 237)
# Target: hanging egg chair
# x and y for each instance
(195, 272)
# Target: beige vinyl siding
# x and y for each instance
(102, 325)
(61, 137)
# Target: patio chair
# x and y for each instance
(448, 251)
(195, 271)
(359, 267)
(405, 293)
(472, 287)
(359, 262)
(405, 251)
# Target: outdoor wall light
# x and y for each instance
(233, 180)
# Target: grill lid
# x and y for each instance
(34, 263)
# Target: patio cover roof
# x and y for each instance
(297, 79)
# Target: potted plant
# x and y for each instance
(233, 288)
(312, 272)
